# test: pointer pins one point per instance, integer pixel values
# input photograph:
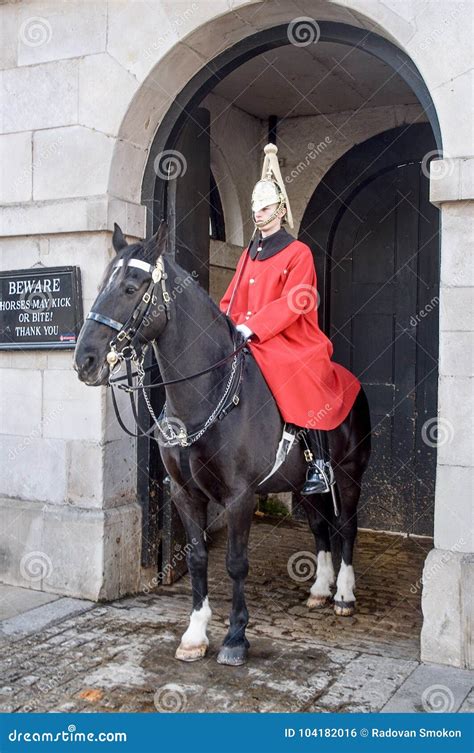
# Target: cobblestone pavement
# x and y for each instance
(120, 656)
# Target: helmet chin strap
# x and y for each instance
(273, 216)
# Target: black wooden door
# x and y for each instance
(184, 201)
(378, 248)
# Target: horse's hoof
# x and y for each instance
(318, 602)
(233, 656)
(344, 608)
(191, 653)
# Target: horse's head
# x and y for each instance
(126, 280)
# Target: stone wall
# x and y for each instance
(86, 86)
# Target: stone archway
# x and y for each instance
(188, 77)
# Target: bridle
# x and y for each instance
(128, 334)
(130, 330)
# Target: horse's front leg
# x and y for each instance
(192, 511)
(239, 519)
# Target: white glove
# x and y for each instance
(246, 331)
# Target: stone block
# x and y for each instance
(431, 688)
(135, 44)
(40, 96)
(20, 407)
(16, 175)
(451, 180)
(120, 471)
(85, 473)
(447, 604)
(33, 468)
(88, 554)
(125, 181)
(52, 31)
(89, 251)
(457, 253)
(456, 310)
(366, 684)
(80, 166)
(71, 410)
(105, 92)
(18, 253)
(8, 35)
(453, 101)
(456, 357)
(454, 437)
(453, 522)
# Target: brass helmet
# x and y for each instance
(270, 189)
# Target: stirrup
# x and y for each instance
(319, 478)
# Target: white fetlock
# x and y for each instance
(195, 642)
(320, 593)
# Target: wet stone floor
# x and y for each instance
(119, 656)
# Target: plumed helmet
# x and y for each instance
(270, 189)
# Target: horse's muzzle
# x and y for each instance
(90, 370)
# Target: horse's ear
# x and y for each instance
(118, 239)
(157, 242)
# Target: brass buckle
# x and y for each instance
(308, 456)
(236, 399)
(146, 297)
(166, 296)
(121, 335)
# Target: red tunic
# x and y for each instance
(277, 299)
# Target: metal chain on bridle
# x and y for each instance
(128, 333)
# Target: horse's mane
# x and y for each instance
(148, 252)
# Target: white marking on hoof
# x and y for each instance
(193, 653)
(318, 602)
(345, 584)
(194, 642)
(344, 610)
(320, 592)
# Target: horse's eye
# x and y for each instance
(130, 289)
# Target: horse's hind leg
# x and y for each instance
(320, 593)
(239, 519)
(344, 600)
(192, 511)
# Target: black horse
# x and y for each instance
(227, 460)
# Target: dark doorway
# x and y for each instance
(375, 237)
(182, 196)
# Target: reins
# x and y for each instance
(130, 332)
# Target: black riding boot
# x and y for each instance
(319, 474)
